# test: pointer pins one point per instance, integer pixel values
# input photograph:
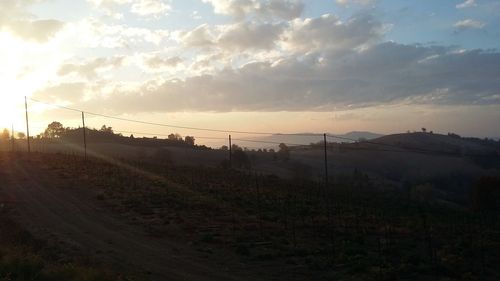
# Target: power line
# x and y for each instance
(165, 135)
(210, 138)
(401, 149)
(270, 142)
(171, 125)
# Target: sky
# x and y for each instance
(254, 65)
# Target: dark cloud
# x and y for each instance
(385, 73)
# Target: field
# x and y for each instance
(155, 220)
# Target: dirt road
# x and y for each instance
(72, 219)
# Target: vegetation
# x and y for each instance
(354, 229)
(22, 258)
(359, 226)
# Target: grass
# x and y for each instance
(22, 258)
(357, 229)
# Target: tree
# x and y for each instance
(54, 130)
(424, 130)
(224, 147)
(108, 130)
(5, 134)
(21, 135)
(283, 152)
(189, 140)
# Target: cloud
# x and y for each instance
(67, 92)
(158, 63)
(90, 69)
(245, 35)
(144, 8)
(201, 36)
(382, 74)
(328, 33)
(37, 30)
(93, 33)
(15, 18)
(466, 4)
(238, 36)
(154, 8)
(469, 24)
(355, 2)
(240, 9)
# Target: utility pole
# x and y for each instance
(12, 138)
(230, 153)
(84, 135)
(326, 161)
(27, 124)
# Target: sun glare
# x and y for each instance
(25, 68)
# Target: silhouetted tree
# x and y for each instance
(189, 140)
(5, 134)
(54, 130)
(224, 147)
(284, 152)
(105, 129)
(21, 135)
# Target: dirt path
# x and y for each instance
(71, 218)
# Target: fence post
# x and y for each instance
(12, 138)
(326, 161)
(27, 124)
(84, 135)
(230, 153)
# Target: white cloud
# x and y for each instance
(329, 34)
(37, 30)
(466, 4)
(160, 63)
(201, 36)
(145, 8)
(93, 33)
(90, 69)
(240, 9)
(15, 18)
(154, 8)
(64, 92)
(469, 24)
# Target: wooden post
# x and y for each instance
(326, 161)
(230, 152)
(27, 124)
(84, 135)
(12, 138)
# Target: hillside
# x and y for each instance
(440, 143)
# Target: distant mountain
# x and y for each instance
(438, 142)
(303, 139)
(356, 135)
